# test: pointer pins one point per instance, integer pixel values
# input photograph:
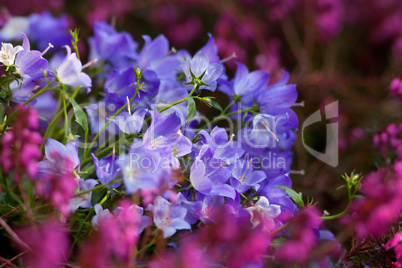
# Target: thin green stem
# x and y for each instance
(37, 94)
(178, 101)
(112, 117)
(63, 96)
(57, 117)
(100, 186)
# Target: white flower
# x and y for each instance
(8, 52)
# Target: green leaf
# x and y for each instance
(97, 196)
(192, 109)
(216, 105)
(293, 195)
(80, 116)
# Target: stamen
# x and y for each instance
(90, 63)
(128, 105)
(229, 58)
(265, 124)
(47, 49)
(297, 172)
(300, 104)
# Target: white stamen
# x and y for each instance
(128, 105)
(90, 63)
(229, 58)
(301, 104)
(297, 172)
(47, 49)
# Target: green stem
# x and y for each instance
(63, 96)
(40, 92)
(178, 101)
(100, 186)
(113, 116)
(56, 118)
(91, 212)
(37, 94)
(228, 107)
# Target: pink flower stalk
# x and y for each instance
(116, 238)
(395, 88)
(21, 145)
(374, 214)
(230, 240)
(389, 140)
(329, 18)
(49, 244)
(303, 230)
(60, 185)
(396, 244)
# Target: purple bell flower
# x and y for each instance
(30, 64)
(70, 71)
(168, 217)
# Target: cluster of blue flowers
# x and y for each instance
(182, 164)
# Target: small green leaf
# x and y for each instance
(293, 195)
(216, 105)
(80, 116)
(192, 109)
(97, 196)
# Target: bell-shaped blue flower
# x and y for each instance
(70, 71)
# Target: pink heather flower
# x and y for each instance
(381, 206)
(329, 18)
(396, 244)
(21, 145)
(230, 241)
(115, 239)
(389, 140)
(49, 244)
(59, 185)
(303, 230)
(396, 88)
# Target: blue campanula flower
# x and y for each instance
(208, 175)
(244, 176)
(45, 29)
(156, 61)
(54, 151)
(264, 212)
(30, 63)
(211, 50)
(199, 70)
(22, 92)
(144, 169)
(70, 71)
(280, 96)
(164, 133)
(119, 49)
(245, 85)
(224, 147)
(130, 123)
(193, 208)
(276, 195)
(168, 217)
(107, 169)
(84, 200)
(167, 94)
(119, 85)
(98, 115)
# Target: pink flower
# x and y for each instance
(303, 238)
(396, 244)
(49, 244)
(21, 145)
(381, 206)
